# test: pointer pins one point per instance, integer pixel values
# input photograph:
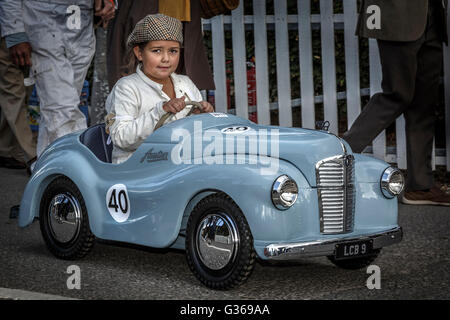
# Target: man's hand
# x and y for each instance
(21, 54)
(105, 9)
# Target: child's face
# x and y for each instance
(159, 59)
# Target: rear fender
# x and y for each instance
(84, 179)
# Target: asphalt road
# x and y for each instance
(417, 268)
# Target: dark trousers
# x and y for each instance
(410, 86)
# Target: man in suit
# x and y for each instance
(410, 34)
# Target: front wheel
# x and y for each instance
(355, 263)
(64, 221)
(219, 244)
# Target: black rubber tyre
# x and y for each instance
(239, 268)
(356, 263)
(83, 239)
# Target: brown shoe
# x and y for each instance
(434, 196)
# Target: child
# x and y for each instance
(138, 101)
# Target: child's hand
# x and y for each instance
(207, 107)
(175, 105)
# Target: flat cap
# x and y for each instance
(156, 27)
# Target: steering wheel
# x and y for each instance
(168, 115)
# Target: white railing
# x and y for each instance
(304, 22)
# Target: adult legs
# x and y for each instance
(420, 115)
(195, 60)
(80, 49)
(16, 139)
(399, 67)
(55, 48)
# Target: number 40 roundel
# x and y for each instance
(118, 203)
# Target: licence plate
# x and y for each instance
(355, 249)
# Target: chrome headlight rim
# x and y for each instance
(276, 194)
(386, 180)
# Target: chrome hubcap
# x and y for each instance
(217, 241)
(65, 217)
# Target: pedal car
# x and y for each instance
(222, 188)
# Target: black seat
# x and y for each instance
(98, 141)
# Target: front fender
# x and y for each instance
(368, 169)
(251, 191)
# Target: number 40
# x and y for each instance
(120, 201)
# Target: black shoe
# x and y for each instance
(14, 212)
(28, 165)
(11, 163)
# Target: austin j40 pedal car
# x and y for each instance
(222, 188)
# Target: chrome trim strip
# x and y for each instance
(344, 149)
(292, 251)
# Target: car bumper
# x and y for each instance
(292, 251)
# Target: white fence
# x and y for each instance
(327, 21)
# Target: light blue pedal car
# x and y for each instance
(222, 188)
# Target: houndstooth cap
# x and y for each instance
(156, 27)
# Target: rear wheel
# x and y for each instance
(64, 221)
(219, 244)
(355, 263)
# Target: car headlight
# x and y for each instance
(392, 182)
(284, 192)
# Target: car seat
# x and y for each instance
(98, 141)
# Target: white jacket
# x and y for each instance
(137, 103)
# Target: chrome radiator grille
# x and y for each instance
(335, 187)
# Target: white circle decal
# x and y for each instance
(118, 202)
